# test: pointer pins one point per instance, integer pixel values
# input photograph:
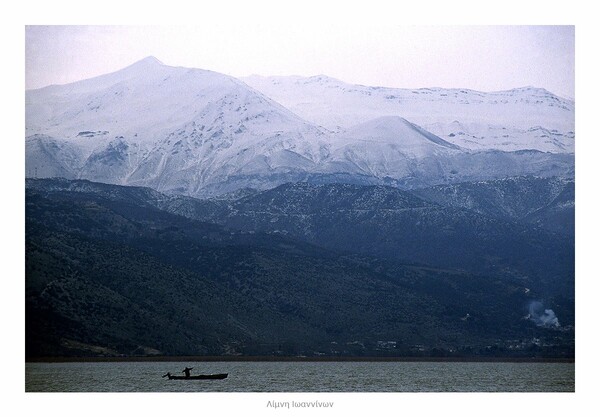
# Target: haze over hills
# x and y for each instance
(197, 132)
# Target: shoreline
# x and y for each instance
(62, 359)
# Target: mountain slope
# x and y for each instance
(200, 133)
(379, 221)
(174, 129)
(112, 275)
(386, 222)
(518, 119)
(546, 202)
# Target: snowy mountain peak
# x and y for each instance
(170, 128)
(149, 61)
(530, 89)
(199, 132)
(396, 130)
(489, 120)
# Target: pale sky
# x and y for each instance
(485, 58)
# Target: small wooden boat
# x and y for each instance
(211, 376)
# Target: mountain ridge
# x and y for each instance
(198, 132)
(383, 221)
(502, 123)
(110, 273)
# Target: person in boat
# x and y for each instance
(186, 371)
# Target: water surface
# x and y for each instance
(303, 377)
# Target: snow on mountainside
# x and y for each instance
(522, 118)
(200, 133)
(173, 129)
(385, 147)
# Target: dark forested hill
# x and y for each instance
(115, 271)
(394, 224)
(545, 202)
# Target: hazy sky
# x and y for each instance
(486, 58)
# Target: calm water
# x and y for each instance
(303, 377)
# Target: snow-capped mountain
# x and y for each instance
(522, 118)
(197, 132)
(174, 129)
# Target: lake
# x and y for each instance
(303, 377)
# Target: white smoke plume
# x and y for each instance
(542, 316)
